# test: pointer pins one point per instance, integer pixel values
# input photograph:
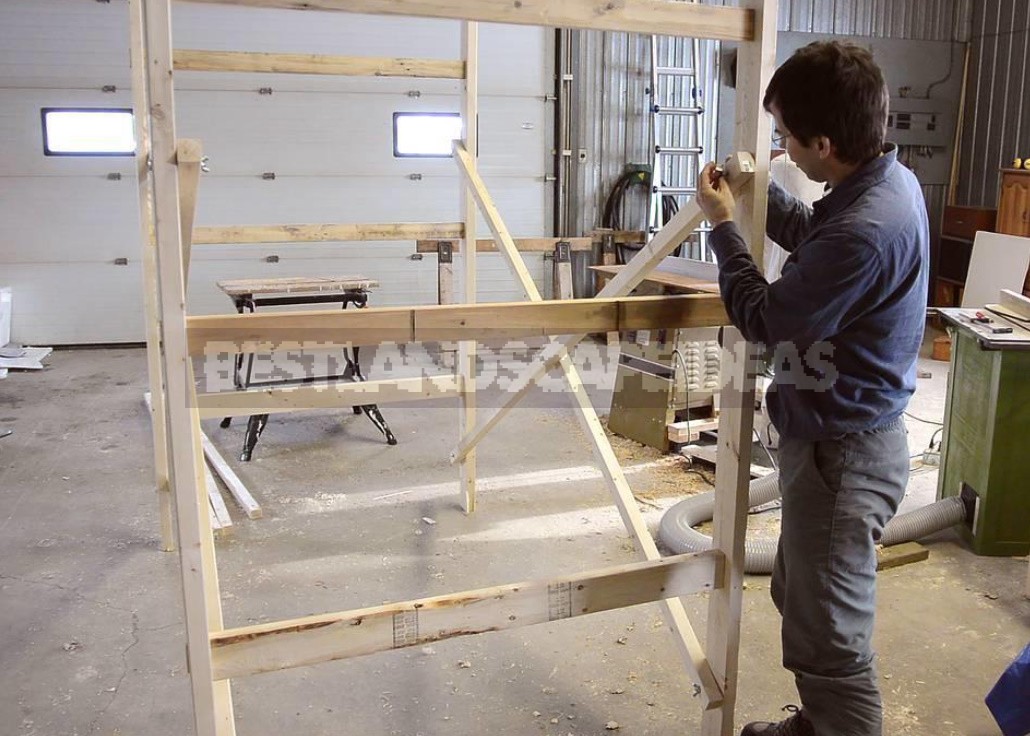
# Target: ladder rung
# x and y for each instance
(674, 71)
(678, 150)
(659, 110)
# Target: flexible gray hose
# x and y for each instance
(677, 532)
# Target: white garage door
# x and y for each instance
(70, 223)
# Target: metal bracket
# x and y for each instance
(445, 251)
(563, 252)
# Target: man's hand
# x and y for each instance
(714, 196)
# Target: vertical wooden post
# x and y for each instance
(467, 348)
(150, 306)
(212, 702)
(563, 270)
(755, 63)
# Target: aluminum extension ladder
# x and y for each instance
(675, 109)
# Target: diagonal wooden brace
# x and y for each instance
(738, 171)
(686, 639)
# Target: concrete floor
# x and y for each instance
(91, 638)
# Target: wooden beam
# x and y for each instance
(232, 481)
(755, 64)
(192, 60)
(151, 308)
(562, 277)
(324, 638)
(214, 496)
(739, 169)
(318, 330)
(465, 365)
(188, 157)
(665, 17)
(900, 554)
(325, 396)
(212, 706)
(319, 233)
(523, 245)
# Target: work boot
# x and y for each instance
(796, 725)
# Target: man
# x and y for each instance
(845, 321)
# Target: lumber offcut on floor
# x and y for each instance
(90, 612)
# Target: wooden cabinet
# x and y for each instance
(1014, 207)
(950, 260)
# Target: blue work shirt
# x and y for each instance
(846, 318)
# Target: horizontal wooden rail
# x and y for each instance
(195, 60)
(489, 245)
(321, 329)
(305, 641)
(244, 234)
(274, 400)
(663, 17)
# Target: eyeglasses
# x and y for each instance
(780, 139)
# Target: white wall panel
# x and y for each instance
(69, 303)
(351, 133)
(328, 140)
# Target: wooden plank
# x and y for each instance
(690, 431)
(466, 356)
(675, 282)
(739, 169)
(666, 17)
(195, 60)
(320, 329)
(755, 64)
(323, 638)
(297, 330)
(188, 156)
(214, 496)
(296, 285)
(212, 706)
(319, 233)
(325, 396)
(232, 481)
(151, 309)
(1016, 303)
(900, 554)
(523, 245)
(655, 312)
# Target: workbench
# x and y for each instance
(986, 423)
(249, 294)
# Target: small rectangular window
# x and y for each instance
(88, 132)
(425, 134)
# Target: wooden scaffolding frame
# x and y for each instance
(168, 170)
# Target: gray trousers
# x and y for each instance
(837, 496)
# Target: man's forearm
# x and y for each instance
(743, 288)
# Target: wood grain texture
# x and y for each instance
(195, 60)
(320, 329)
(304, 641)
(320, 233)
(666, 17)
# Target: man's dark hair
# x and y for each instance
(833, 89)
